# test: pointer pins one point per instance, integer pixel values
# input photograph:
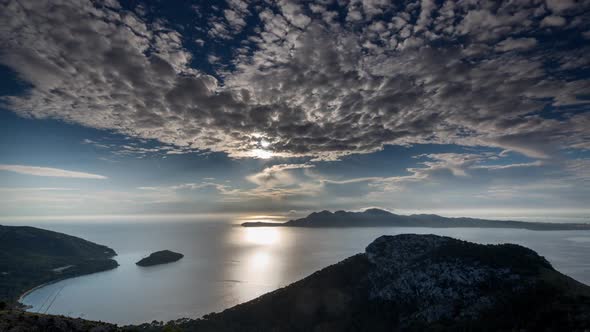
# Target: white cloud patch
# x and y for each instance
(49, 172)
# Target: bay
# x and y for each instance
(225, 264)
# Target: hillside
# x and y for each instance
(415, 283)
(31, 256)
(19, 321)
(382, 218)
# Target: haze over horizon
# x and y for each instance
(242, 107)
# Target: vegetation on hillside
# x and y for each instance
(31, 256)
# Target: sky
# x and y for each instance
(287, 107)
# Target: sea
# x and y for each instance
(225, 264)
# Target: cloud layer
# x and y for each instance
(49, 172)
(321, 80)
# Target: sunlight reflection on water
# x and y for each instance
(259, 269)
(263, 236)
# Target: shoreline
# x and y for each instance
(27, 292)
(21, 305)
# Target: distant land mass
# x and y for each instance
(160, 257)
(405, 282)
(31, 256)
(382, 218)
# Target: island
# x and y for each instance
(405, 282)
(31, 256)
(382, 218)
(160, 257)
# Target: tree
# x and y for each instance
(171, 328)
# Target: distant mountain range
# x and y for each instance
(382, 218)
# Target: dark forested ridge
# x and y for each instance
(382, 218)
(31, 256)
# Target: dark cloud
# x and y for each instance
(310, 80)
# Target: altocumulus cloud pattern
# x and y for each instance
(322, 79)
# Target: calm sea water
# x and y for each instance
(225, 265)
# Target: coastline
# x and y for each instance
(382, 218)
(532, 226)
(585, 227)
(21, 305)
(27, 292)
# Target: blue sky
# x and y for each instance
(286, 107)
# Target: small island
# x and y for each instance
(160, 257)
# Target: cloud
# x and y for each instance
(553, 21)
(536, 163)
(520, 44)
(475, 170)
(310, 84)
(559, 6)
(34, 189)
(281, 180)
(578, 170)
(277, 176)
(293, 12)
(267, 173)
(232, 21)
(50, 172)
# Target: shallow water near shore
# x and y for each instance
(226, 264)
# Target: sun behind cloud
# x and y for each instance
(262, 154)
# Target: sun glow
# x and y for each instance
(262, 154)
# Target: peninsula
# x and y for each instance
(31, 256)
